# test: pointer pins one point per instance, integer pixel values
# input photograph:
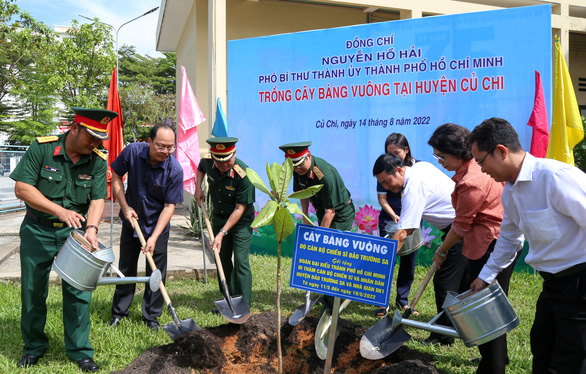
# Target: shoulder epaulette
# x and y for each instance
(318, 173)
(207, 155)
(100, 154)
(47, 139)
(240, 171)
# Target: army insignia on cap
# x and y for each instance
(105, 120)
(290, 151)
(221, 147)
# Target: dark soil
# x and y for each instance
(252, 348)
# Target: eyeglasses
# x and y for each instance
(485, 156)
(161, 148)
(439, 157)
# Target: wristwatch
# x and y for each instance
(224, 232)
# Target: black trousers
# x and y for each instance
(495, 355)
(558, 335)
(152, 302)
(452, 276)
(406, 273)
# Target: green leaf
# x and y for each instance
(265, 216)
(273, 172)
(254, 178)
(284, 178)
(283, 224)
(295, 209)
(306, 193)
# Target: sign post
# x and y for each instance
(344, 265)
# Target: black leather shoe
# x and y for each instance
(115, 321)
(28, 360)
(153, 325)
(87, 364)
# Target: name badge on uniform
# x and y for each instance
(230, 188)
(85, 177)
(50, 168)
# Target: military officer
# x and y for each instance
(62, 180)
(232, 198)
(332, 203)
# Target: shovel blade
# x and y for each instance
(241, 311)
(185, 326)
(302, 311)
(322, 334)
(382, 339)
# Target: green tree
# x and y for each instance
(277, 212)
(84, 62)
(26, 102)
(142, 108)
(157, 73)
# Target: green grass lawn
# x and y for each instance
(116, 348)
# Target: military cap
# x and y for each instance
(297, 152)
(95, 121)
(222, 148)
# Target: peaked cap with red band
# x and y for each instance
(297, 152)
(95, 121)
(222, 148)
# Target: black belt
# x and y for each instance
(46, 222)
(564, 273)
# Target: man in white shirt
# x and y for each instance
(545, 203)
(426, 195)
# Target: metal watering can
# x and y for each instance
(83, 268)
(412, 242)
(477, 317)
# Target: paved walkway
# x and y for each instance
(185, 253)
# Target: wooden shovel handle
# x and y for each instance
(423, 285)
(80, 238)
(150, 260)
(211, 234)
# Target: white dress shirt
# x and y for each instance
(427, 194)
(547, 203)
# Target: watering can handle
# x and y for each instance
(150, 260)
(423, 285)
(80, 238)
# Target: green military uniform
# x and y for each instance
(47, 167)
(333, 194)
(226, 190)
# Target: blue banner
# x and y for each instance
(346, 265)
(346, 89)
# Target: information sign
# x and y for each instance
(343, 264)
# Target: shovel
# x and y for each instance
(303, 310)
(383, 338)
(178, 327)
(234, 309)
(322, 331)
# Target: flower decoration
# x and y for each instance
(367, 218)
(426, 237)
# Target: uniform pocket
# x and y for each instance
(50, 183)
(82, 190)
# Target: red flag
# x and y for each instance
(539, 122)
(190, 116)
(115, 144)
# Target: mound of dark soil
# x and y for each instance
(252, 348)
